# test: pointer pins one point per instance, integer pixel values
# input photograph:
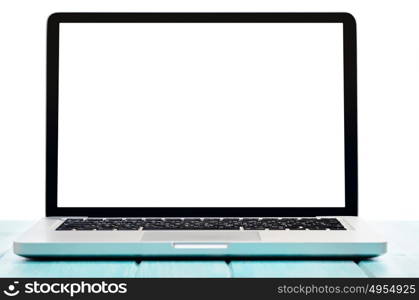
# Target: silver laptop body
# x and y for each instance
(201, 134)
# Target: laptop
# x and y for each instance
(201, 135)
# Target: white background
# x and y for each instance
(388, 64)
(201, 115)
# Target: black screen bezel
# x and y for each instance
(350, 114)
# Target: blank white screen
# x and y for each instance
(201, 115)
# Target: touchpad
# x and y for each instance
(200, 236)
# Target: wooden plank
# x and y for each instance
(12, 265)
(9, 230)
(6, 241)
(292, 268)
(156, 269)
(14, 227)
(402, 236)
(391, 266)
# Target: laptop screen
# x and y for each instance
(201, 115)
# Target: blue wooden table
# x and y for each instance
(402, 260)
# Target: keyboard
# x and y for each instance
(121, 224)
